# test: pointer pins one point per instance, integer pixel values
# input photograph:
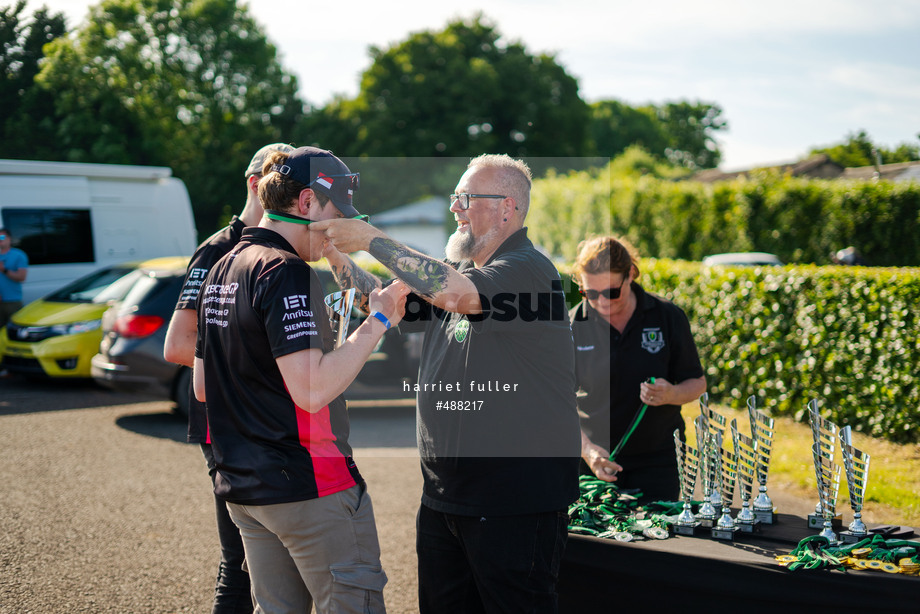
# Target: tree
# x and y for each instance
(859, 150)
(190, 84)
(681, 132)
(691, 129)
(461, 91)
(616, 126)
(24, 111)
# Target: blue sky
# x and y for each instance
(789, 75)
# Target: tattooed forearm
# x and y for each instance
(423, 274)
(350, 275)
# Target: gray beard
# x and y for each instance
(460, 246)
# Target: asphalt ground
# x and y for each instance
(105, 508)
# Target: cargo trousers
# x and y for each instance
(323, 552)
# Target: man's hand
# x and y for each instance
(391, 301)
(347, 236)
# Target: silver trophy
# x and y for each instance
(716, 424)
(856, 467)
(827, 475)
(338, 308)
(688, 464)
(824, 449)
(706, 514)
(727, 471)
(747, 467)
(762, 433)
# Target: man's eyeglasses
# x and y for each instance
(2, 237)
(464, 199)
(609, 294)
(287, 171)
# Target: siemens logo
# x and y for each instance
(298, 326)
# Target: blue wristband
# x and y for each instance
(382, 318)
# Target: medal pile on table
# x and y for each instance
(603, 511)
(873, 553)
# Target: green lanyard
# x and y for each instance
(892, 555)
(632, 427)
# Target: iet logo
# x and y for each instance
(296, 301)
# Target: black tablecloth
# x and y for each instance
(684, 574)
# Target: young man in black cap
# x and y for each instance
(498, 431)
(232, 593)
(267, 367)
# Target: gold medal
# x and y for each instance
(786, 559)
(861, 552)
(890, 568)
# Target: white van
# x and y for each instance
(71, 218)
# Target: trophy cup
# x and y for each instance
(827, 474)
(338, 308)
(688, 463)
(747, 463)
(706, 514)
(727, 462)
(762, 433)
(856, 467)
(716, 424)
(825, 445)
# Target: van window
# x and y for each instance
(51, 236)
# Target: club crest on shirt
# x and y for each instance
(652, 340)
(461, 330)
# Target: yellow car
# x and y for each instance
(58, 335)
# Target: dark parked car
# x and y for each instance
(134, 330)
(131, 353)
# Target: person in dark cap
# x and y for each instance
(272, 378)
(232, 592)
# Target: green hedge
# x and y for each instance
(800, 220)
(846, 336)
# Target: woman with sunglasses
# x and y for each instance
(625, 338)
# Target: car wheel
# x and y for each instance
(181, 391)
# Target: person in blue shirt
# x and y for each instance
(14, 266)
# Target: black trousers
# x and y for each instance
(495, 564)
(232, 592)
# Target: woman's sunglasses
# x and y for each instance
(609, 294)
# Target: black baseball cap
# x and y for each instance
(322, 171)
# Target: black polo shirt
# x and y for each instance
(209, 252)
(258, 303)
(497, 425)
(657, 342)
